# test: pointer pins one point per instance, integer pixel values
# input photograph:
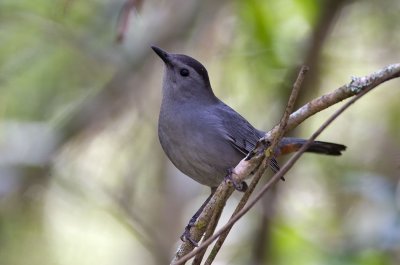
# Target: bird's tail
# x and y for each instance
(289, 145)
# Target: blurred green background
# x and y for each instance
(83, 179)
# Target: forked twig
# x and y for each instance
(358, 86)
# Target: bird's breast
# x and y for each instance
(194, 143)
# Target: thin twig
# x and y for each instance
(289, 107)
(341, 93)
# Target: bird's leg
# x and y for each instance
(186, 234)
(242, 186)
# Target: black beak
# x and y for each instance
(163, 54)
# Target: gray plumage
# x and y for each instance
(201, 135)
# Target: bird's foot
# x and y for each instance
(185, 237)
(242, 186)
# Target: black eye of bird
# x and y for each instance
(184, 72)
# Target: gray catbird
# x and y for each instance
(201, 135)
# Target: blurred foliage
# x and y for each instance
(83, 179)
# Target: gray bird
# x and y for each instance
(202, 136)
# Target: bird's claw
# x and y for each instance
(185, 237)
(242, 186)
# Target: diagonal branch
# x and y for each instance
(356, 85)
(246, 166)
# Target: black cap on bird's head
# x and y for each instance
(185, 72)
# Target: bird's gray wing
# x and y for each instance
(239, 132)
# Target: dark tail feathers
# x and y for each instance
(290, 145)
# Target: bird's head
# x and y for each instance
(184, 77)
